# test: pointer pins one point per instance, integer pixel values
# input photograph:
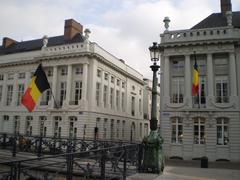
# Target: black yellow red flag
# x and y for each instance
(195, 78)
(36, 87)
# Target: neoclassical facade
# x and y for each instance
(208, 124)
(91, 87)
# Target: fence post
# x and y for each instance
(103, 162)
(125, 164)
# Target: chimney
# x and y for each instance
(226, 5)
(8, 42)
(71, 28)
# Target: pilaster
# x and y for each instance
(188, 96)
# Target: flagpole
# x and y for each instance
(198, 97)
(55, 102)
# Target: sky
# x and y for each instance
(125, 28)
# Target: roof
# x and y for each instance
(38, 43)
(218, 20)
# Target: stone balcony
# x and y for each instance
(193, 35)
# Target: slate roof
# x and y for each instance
(38, 43)
(218, 20)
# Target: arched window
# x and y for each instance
(222, 131)
(177, 130)
(199, 130)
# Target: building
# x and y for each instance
(208, 124)
(92, 88)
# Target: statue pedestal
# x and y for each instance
(153, 160)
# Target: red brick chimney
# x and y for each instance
(71, 28)
(8, 42)
(226, 5)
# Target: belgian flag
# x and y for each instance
(195, 78)
(37, 86)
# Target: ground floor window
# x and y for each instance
(222, 131)
(199, 130)
(177, 130)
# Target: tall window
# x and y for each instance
(1, 91)
(199, 131)
(78, 92)
(64, 71)
(222, 131)
(98, 86)
(111, 98)
(221, 69)
(63, 87)
(222, 95)
(28, 126)
(140, 130)
(140, 106)
(117, 129)
(200, 99)
(117, 99)
(177, 89)
(42, 127)
(177, 79)
(72, 128)
(1, 77)
(112, 129)
(20, 93)
(123, 97)
(123, 129)
(133, 106)
(79, 70)
(9, 94)
(99, 73)
(57, 128)
(177, 130)
(105, 128)
(16, 124)
(105, 95)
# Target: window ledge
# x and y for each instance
(175, 105)
(224, 105)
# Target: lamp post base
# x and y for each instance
(153, 160)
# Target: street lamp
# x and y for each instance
(153, 157)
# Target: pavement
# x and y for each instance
(191, 170)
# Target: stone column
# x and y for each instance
(188, 95)
(166, 79)
(233, 76)
(15, 90)
(54, 85)
(210, 79)
(84, 83)
(69, 85)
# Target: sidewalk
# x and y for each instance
(190, 170)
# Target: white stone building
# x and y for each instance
(92, 89)
(208, 125)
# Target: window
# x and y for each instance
(10, 76)
(112, 79)
(72, 129)
(20, 93)
(177, 89)
(140, 92)
(46, 97)
(140, 130)
(200, 99)
(63, 86)
(1, 91)
(1, 77)
(98, 86)
(222, 131)
(9, 95)
(199, 131)
(117, 99)
(105, 128)
(118, 82)
(106, 76)
(123, 129)
(49, 73)
(133, 106)
(78, 92)
(177, 130)
(64, 71)
(145, 129)
(57, 129)
(133, 88)
(42, 120)
(117, 129)
(111, 98)
(79, 70)
(21, 76)
(123, 105)
(28, 126)
(99, 73)
(105, 95)
(140, 106)
(222, 95)
(16, 124)
(123, 85)
(112, 129)
(177, 66)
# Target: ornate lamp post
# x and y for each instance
(153, 157)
